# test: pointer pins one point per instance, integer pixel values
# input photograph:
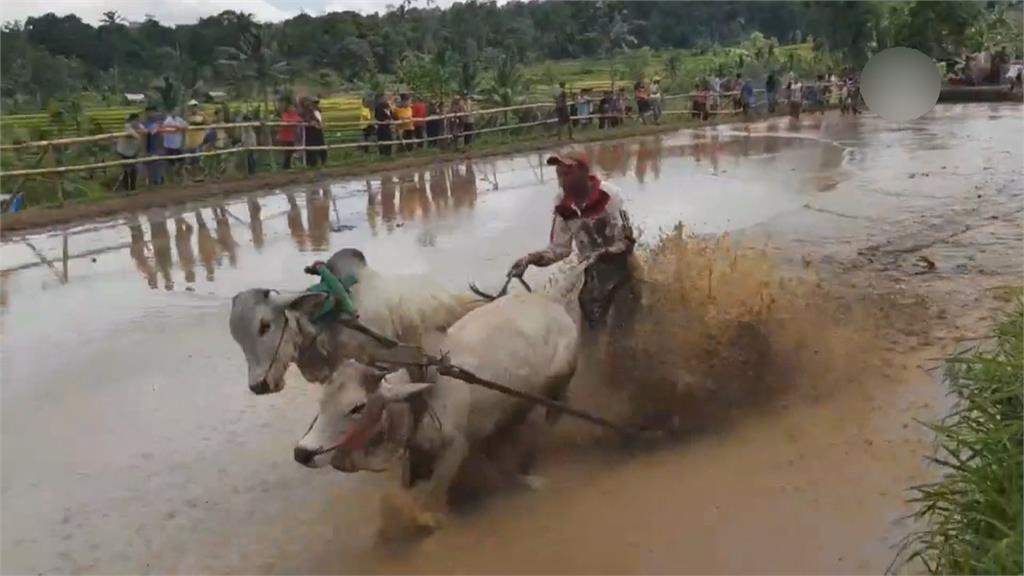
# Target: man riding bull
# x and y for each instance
(589, 213)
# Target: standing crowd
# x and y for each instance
(411, 122)
(611, 110)
(408, 121)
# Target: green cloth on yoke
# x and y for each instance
(339, 301)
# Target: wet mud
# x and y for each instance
(789, 330)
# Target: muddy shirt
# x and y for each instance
(599, 224)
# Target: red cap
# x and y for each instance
(570, 159)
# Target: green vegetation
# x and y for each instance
(975, 514)
(60, 57)
(69, 78)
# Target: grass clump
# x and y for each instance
(974, 515)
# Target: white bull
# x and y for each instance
(273, 328)
(526, 341)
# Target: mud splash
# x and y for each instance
(722, 326)
(724, 338)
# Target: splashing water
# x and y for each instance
(723, 326)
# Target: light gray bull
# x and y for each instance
(273, 328)
(526, 341)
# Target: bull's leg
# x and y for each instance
(434, 498)
(557, 390)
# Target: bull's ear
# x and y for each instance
(402, 391)
(305, 302)
(371, 377)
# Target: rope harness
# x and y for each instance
(406, 355)
(277, 350)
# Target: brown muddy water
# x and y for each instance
(131, 444)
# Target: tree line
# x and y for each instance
(53, 57)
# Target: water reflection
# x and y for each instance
(137, 249)
(439, 191)
(183, 242)
(295, 225)
(372, 201)
(161, 238)
(318, 218)
(463, 185)
(208, 252)
(408, 199)
(255, 222)
(648, 157)
(388, 208)
(225, 240)
(438, 187)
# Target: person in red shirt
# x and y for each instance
(419, 114)
(286, 135)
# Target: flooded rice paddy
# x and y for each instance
(131, 444)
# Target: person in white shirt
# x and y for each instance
(655, 99)
(716, 92)
(173, 130)
(128, 147)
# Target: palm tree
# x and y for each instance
(112, 18)
(255, 61)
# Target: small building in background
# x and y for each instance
(133, 99)
(216, 96)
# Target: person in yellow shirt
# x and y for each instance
(403, 114)
(196, 117)
(195, 139)
(366, 123)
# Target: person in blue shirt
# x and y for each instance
(154, 144)
(746, 94)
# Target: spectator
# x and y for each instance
(700, 101)
(746, 94)
(562, 111)
(403, 115)
(468, 121)
(655, 99)
(194, 138)
(771, 90)
(128, 147)
(643, 106)
(604, 110)
(795, 97)
(313, 124)
(618, 107)
(287, 132)
(382, 115)
(248, 140)
(366, 122)
(419, 114)
(154, 144)
(455, 119)
(583, 108)
(173, 129)
(435, 126)
(716, 92)
(217, 139)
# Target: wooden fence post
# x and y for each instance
(52, 163)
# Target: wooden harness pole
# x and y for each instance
(407, 355)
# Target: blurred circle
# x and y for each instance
(900, 84)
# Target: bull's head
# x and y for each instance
(271, 327)
(357, 408)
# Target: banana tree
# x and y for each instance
(508, 84)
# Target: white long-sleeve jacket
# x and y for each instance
(598, 225)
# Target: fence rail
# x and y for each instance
(51, 145)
